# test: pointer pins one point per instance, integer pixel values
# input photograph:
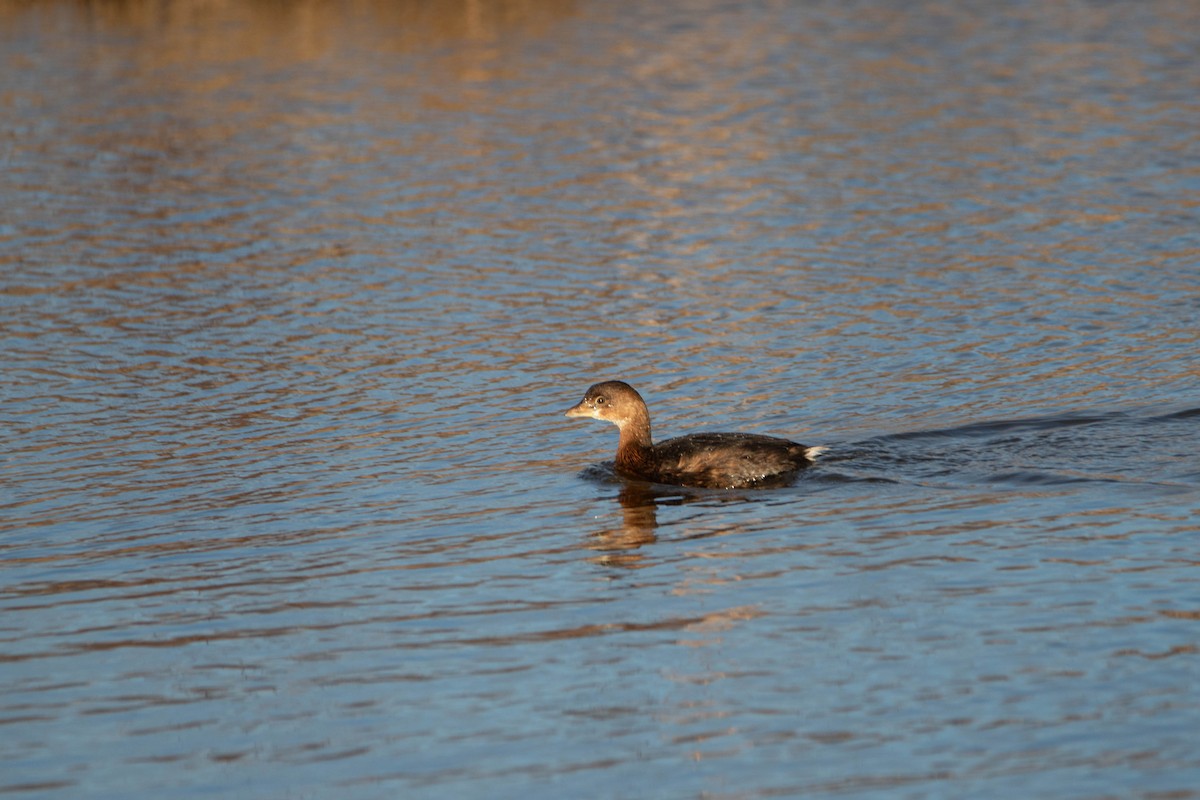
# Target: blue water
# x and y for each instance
(293, 298)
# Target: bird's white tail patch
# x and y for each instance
(811, 453)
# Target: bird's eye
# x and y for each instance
(600, 401)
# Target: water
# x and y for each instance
(293, 297)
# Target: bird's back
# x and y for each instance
(727, 460)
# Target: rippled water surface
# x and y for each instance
(293, 297)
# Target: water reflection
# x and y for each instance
(619, 547)
(639, 503)
(225, 30)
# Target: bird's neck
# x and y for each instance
(634, 446)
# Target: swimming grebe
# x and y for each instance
(704, 460)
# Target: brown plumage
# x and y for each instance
(706, 460)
